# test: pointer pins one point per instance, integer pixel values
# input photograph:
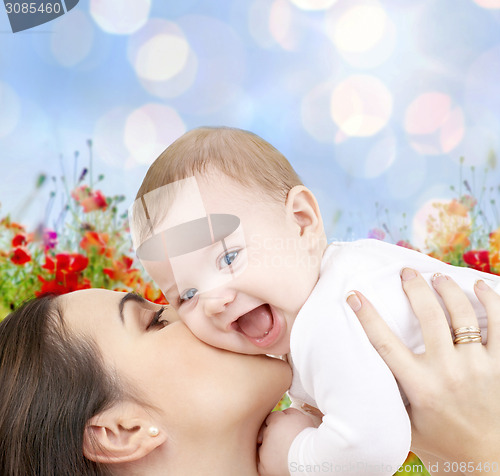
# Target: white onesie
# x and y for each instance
(365, 429)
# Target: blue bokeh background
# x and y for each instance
(373, 102)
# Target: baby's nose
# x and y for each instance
(217, 301)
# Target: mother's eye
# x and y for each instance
(156, 321)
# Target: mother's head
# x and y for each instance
(97, 382)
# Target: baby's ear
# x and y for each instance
(302, 207)
(121, 434)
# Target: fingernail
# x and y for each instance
(353, 301)
(438, 277)
(407, 274)
(482, 285)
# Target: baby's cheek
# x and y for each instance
(200, 326)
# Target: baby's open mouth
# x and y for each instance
(256, 324)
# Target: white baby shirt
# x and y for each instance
(365, 429)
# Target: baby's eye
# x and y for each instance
(189, 294)
(227, 259)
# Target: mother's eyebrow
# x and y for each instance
(129, 297)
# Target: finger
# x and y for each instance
(396, 355)
(425, 305)
(457, 303)
(462, 314)
(491, 302)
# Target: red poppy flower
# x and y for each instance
(93, 240)
(95, 201)
(19, 240)
(478, 259)
(81, 192)
(5, 222)
(69, 265)
(20, 256)
(406, 244)
(68, 268)
(154, 295)
(49, 264)
(122, 271)
(54, 287)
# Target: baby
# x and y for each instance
(224, 226)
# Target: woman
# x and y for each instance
(105, 372)
(453, 389)
(121, 378)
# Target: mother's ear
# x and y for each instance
(123, 433)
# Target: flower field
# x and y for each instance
(88, 246)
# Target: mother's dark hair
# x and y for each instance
(51, 384)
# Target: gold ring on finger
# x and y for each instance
(466, 330)
(467, 339)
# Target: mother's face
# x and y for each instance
(183, 377)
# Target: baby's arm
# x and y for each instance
(365, 430)
(278, 432)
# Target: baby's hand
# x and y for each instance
(278, 432)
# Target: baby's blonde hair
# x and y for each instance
(241, 155)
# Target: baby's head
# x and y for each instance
(241, 238)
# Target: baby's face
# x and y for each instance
(244, 292)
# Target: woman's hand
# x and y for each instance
(453, 389)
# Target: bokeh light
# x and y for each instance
(435, 125)
(120, 17)
(278, 23)
(381, 98)
(488, 3)
(281, 24)
(149, 130)
(313, 4)
(11, 109)
(125, 138)
(361, 106)
(362, 33)
(359, 29)
(162, 58)
(70, 49)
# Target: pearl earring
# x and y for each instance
(153, 431)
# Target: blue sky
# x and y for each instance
(373, 102)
